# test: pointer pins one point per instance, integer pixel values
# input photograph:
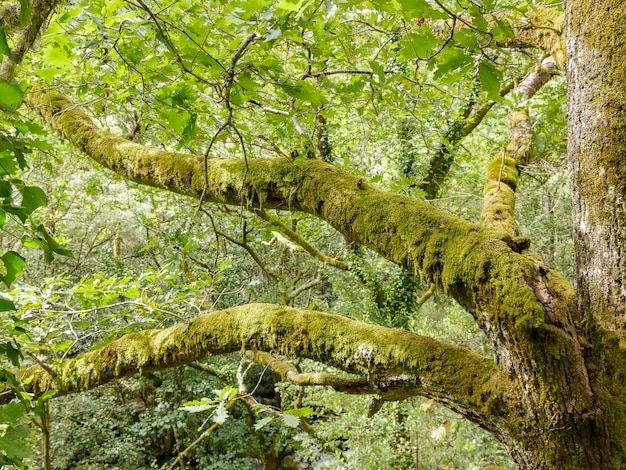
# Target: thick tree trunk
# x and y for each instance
(596, 72)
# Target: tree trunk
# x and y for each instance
(596, 73)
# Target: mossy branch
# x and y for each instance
(385, 357)
(454, 254)
(477, 267)
(503, 171)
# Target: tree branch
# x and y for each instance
(41, 10)
(392, 360)
(353, 386)
(503, 171)
(296, 238)
(481, 268)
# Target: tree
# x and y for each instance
(270, 75)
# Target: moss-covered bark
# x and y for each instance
(503, 171)
(597, 157)
(391, 362)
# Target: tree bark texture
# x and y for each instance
(596, 73)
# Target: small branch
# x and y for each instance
(288, 372)
(206, 432)
(294, 237)
(427, 295)
(42, 364)
(252, 253)
(204, 368)
(304, 287)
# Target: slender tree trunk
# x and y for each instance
(596, 73)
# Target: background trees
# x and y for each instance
(279, 118)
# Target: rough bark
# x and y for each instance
(596, 74)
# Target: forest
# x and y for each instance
(307, 234)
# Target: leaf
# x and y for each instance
(12, 352)
(4, 46)
(26, 11)
(306, 411)
(54, 246)
(489, 80)
(304, 93)
(290, 420)
(288, 5)
(538, 141)
(7, 305)
(14, 265)
(5, 189)
(419, 45)
(221, 414)
(14, 442)
(33, 198)
(189, 131)
(10, 96)
(11, 412)
(263, 422)
(378, 70)
(47, 395)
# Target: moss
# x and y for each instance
(367, 350)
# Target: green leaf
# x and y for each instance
(32, 198)
(26, 11)
(466, 37)
(7, 305)
(489, 80)
(11, 412)
(14, 265)
(12, 352)
(189, 131)
(14, 442)
(304, 93)
(306, 411)
(11, 96)
(378, 70)
(419, 45)
(538, 141)
(288, 5)
(47, 395)
(5, 188)
(4, 46)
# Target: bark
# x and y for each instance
(597, 149)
